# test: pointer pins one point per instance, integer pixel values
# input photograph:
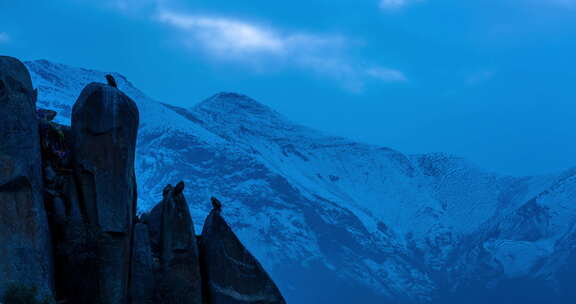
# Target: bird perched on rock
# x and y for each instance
(216, 204)
(111, 81)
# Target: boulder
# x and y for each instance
(174, 244)
(25, 245)
(104, 130)
(231, 273)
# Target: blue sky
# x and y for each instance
(491, 80)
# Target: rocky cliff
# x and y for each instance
(68, 211)
(25, 242)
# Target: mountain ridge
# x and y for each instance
(369, 219)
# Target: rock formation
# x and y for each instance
(176, 250)
(68, 223)
(74, 247)
(104, 130)
(25, 246)
(142, 273)
(216, 204)
(231, 273)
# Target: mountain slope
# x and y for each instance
(334, 220)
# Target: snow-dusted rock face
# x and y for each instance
(334, 221)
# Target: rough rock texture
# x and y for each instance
(232, 274)
(104, 129)
(75, 251)
(142, 272)
(175, 248)
(25, 248)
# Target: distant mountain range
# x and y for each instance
(335, 221)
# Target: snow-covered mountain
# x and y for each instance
(335, 221)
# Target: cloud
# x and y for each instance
(226, 36)
(259, 45)
(4, 37)
(229, 37)
(393, 5)
(351, 75)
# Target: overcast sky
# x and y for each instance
(490, 80)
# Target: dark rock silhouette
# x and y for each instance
(47, 115)
(25, 244)
(68, 222)
(216, 204)
(75, 251)
(232, 274)
(175, 249)
(104, 131)
(142, 272)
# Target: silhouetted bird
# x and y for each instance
(111, 81)
(216, 204)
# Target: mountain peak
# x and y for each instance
(234, 112)
(229, 102)
(232, 95)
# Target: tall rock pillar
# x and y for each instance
(104, 130)
(25, 248)
(174, 244)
